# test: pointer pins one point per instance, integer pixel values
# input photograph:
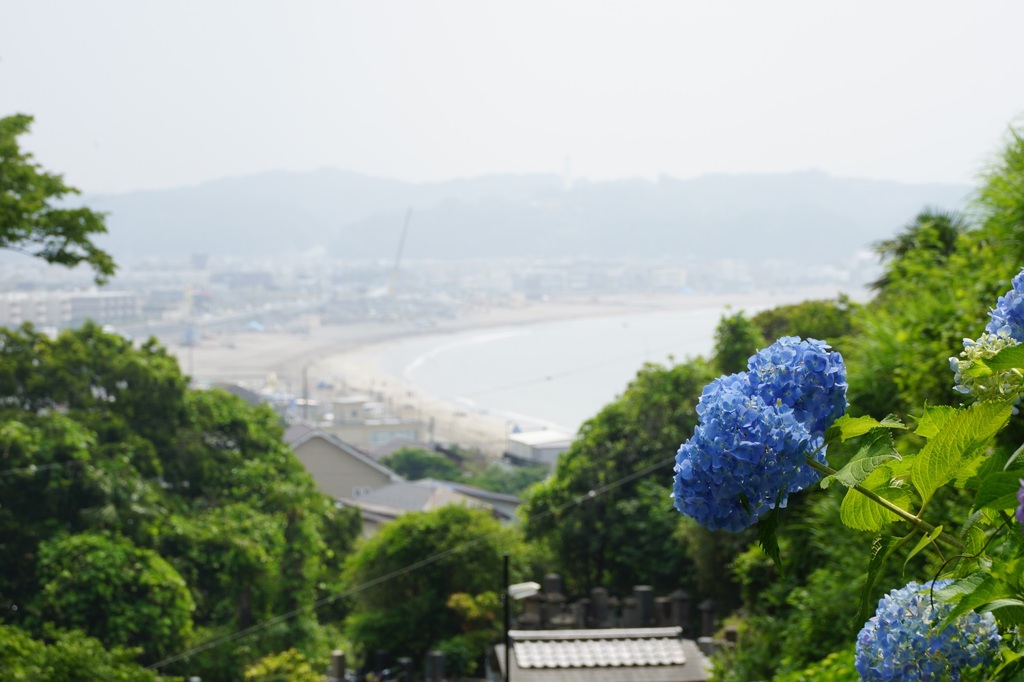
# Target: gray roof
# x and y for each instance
(473, 491)
(605, 655)
(418, 496)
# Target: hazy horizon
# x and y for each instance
(555, 177)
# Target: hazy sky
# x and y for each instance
(130, 94)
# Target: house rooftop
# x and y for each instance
(542, 437)
(604, 655)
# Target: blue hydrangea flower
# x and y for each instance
(1008, 315)
(744, 459)
(1020, 504)
(1005, 328)
(805, 376)
(900, 644)
(999, 386)
(748, 453)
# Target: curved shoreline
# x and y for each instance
(346, 357)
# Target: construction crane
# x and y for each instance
(398, 256)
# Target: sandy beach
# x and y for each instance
(338, 359)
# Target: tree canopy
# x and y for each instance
(33, 219)
(428, 557)
(115, 473)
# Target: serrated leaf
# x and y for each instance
(997, 604)
(1009, 613)
(933, 419)
(1011, 357)
(881, 548)
(960, 588)
(766, 527)
(970, 469)
(963, 437)
(974, 592)
(875, 452)
(847, 427)
(999, 491)
(860, 513)
(972, 534)
(921, 544)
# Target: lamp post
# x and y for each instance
(517, 591)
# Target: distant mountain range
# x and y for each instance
(803, 215)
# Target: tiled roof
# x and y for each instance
(605, 655)
(598, 648)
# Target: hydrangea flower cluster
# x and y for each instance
(804, 376)
(994, 386)
(1020, 504)
(748, 452)
(1005, 328)
(1008, 315)
(899, 643)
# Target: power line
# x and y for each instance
(578, 500)
(33, 468)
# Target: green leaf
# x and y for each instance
(974, 591)
(933, 419)
(999, 491)
(921, 544)
(766, 527)
(881, 548)
(847, 427)
(1011, 357)
(973, 535)
(997, 604)
(874, 453)
(861, 513)
(962, 438)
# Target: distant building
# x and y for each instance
(538, 447)
(368, 424)
(602, 655)
(62, 309)
(389, 502)
(339, 469)
(103, 307)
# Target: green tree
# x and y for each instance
(932, 234)
(100, 436)
(119, 593)
(416, 463)
(30, 222)
(736, 339)
(509, 480)
(625, 535)
(825, 320)
(453, 550)
(941, 278)
(284, 666)
(65, 656)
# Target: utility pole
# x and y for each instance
(398, 256)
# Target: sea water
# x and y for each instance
(551, 374)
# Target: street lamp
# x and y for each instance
(517, 592)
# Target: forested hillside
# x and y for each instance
(943, 272)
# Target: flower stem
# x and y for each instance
(917, 522)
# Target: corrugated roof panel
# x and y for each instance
(598, 653)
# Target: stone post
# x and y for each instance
(599, 616)
(644, 595)
(337, 666)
